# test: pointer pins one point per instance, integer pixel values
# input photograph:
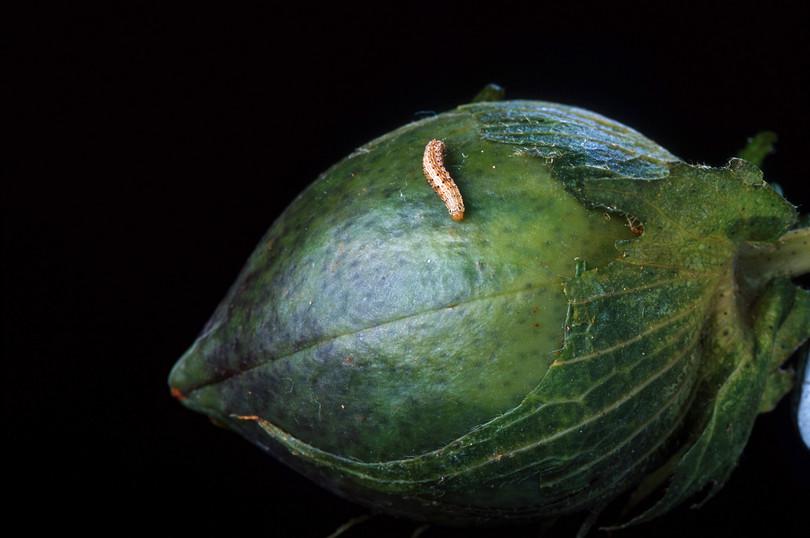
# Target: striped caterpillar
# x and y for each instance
(439, 178)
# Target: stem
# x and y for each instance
(789, 256)
(349, 524)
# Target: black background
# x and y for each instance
(155, 147)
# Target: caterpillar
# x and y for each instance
(439, 178)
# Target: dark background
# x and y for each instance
(151, 149)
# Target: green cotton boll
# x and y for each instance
(606, 319)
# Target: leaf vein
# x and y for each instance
(640, 336)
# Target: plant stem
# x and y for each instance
(349, 524)
(789, 256)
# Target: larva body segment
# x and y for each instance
(439, 178)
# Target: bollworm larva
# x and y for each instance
(439, 178)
